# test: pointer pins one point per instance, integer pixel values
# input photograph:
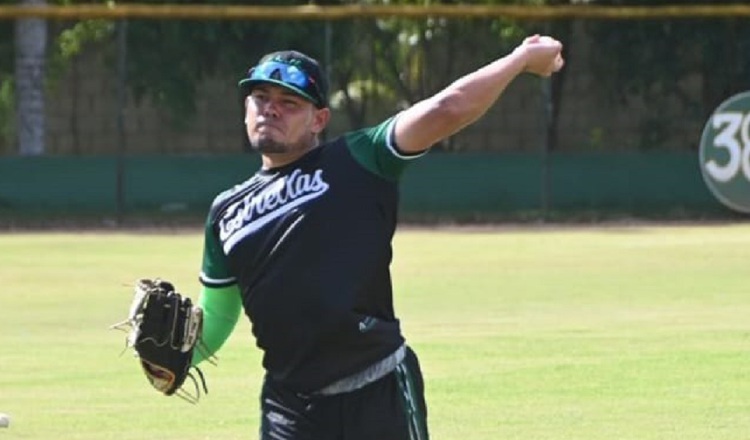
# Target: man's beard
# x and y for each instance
(270, 146)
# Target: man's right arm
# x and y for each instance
(221, 311)
(469, 97)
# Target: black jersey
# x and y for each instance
(309, 245)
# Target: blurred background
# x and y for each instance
(117, 112)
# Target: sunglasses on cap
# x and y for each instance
(287, 75)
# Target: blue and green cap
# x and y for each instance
(292, 70)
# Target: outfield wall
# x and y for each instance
(439, 184)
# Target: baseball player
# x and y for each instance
(304, 247)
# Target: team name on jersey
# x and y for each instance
(259, 208)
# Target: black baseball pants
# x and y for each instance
(391, 408)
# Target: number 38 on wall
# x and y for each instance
(725, 153)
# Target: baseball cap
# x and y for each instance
(292, 70)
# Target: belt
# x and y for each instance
(366, 376)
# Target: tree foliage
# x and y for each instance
(76, 35)
(395, 62)
(373, 64)
(7, 114)
(660, 61)
(167, 59)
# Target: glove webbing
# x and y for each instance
(193, 398)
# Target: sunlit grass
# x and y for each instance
(527, 333)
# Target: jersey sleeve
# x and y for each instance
(376, 150)
(221, 311)
(220, 297)
(214, 268)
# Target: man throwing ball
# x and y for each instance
(304, 247)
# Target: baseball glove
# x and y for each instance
(163, 329)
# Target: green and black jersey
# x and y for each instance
(309, 245)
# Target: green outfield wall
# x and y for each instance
(439, 184)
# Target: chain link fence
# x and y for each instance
(168, 86)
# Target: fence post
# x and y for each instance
(547, 114)
(121, 98)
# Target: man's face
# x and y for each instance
(280, 122)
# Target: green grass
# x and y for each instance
(575, 333)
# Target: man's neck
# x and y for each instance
(277, 160)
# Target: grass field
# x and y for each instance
(633, 332)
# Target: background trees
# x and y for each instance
(378, 65)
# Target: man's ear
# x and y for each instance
(244, 108)
(320, 120)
